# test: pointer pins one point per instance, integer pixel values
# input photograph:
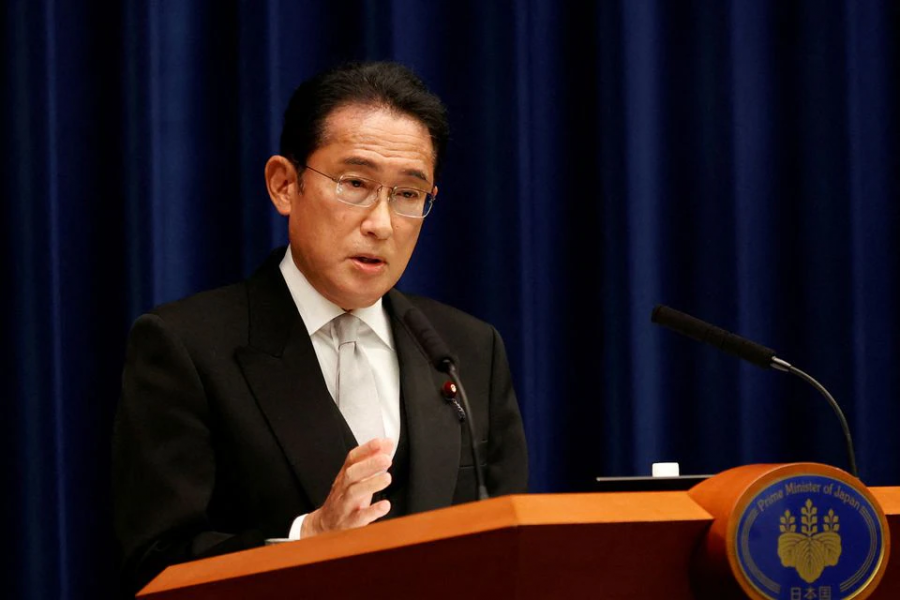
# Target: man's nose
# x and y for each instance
(378, 220)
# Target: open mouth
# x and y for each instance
(370, 264)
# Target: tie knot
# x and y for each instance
(346, 327)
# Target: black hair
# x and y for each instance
(379, 84)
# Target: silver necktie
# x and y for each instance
(356, 394)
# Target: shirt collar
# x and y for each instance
(317, 311)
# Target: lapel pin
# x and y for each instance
(449, 390)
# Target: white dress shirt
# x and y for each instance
(375, 340)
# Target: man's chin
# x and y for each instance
(354, 300)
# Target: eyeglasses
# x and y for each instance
(362, 192)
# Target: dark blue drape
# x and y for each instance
(737, 160)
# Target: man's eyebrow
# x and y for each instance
(364, 162)
(417, 174)
(359, 161)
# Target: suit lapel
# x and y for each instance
(434, 434)
(282, 370)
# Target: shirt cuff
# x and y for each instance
(296, 528)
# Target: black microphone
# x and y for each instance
(439, 355)
(704, 332)
(757, 354)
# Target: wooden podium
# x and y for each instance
(611, 545)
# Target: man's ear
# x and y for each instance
(282, 183)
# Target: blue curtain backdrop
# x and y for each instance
(738, 160)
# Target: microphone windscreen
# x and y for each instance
(702, 331)
(435, 348)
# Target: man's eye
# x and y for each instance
(355, 183)
(408, 194)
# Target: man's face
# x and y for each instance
(354, 255)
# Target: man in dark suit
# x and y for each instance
(232, 428)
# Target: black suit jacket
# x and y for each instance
(226, 431)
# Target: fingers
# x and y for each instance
(373, 512)
(367, 467)
(359, 517)
(358, 495)
(349, 504)
(315, 524)
(374, 446)
(357, 482)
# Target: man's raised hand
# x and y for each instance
(349, 503)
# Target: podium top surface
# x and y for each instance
(647, 484)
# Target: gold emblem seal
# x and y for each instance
(811, 550)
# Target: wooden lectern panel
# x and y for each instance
(889, 499)
(618, 545)
(612, 545)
